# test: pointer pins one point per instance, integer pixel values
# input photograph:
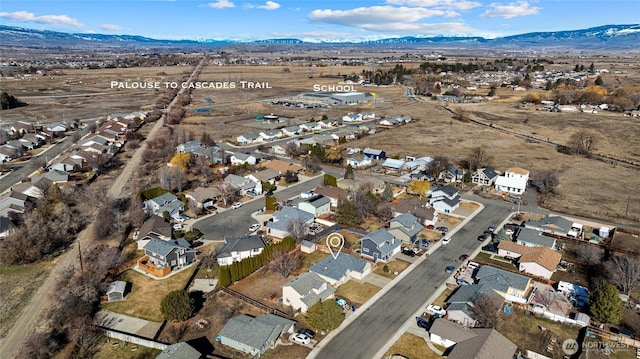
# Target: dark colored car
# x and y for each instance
(463, 257)
(443, 229)
(450, 269)
(308, 332)
(490, 248)
(409, 252)
(491, 228)
(422, 323)
(482, 237)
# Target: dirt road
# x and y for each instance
(31, 314)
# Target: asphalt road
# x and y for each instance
(368, 333)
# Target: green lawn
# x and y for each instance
(146, 293)
(356, 293)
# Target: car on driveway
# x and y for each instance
(430, 226)
(434, 309)
(300, 338)
(442, 229)
(422, 323)
(449, 269)
(446, 240)
(254, 227)
(463, 257)
(236, 205)
(178, 226)
(308, 332)
(482, 237)
(411, 252)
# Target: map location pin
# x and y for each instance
(335, 242)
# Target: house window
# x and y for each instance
(365, 250)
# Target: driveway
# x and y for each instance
(127, 324)
(377, 280)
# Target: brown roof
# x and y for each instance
(154, 227)
(282, 166)
(517, 170)
(331, 192)
(544, 256)
(487, 344)
(413, 205)
(200, 194)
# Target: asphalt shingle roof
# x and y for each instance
(254, 332)
(337, 268)
(239, 244)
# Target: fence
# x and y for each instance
(133, 339)
(620, 338)
(255, 302)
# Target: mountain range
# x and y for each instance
(607, 37)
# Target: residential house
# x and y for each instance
(243, 185)
(270, 135)
(203, 196)
(358, 161)
(249, 138)
(181, 350)
(417, 164)
(340, 269)
(68, 164)
(8, 153)
(154, 227)
(166, 202)
(57, 129)
(189, 147)
(22, 127)
(461, 302)
(484, 176)
(278, 150)
(279, 225)
(418, 207)
(514, 180)
(254, 335)
(6, 226)
(374, 153)
(405, 227)
(168, 254)
(240, 158)
(268, 175)
(393, 165)
(13, 201)
(316, 205)
(291, 131)
(555, 225)
(236, 249)
(352, 117)
(452, 174)
(532, 238)
(55, 176)
(305, 290)
(380, 245)
(117, 290)
(445, 199)
(328, 123)
(283, 166)
(334, 194)
(537, 261)
(465, 343)
(324, 140)
(511, 286)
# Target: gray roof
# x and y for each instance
(118, 286)
(6, 224)
(471, 293)
(534, 237)
(487, 344)
(489, 172)
(251, 136)
(239, 244)
(488, 274)
(405, 219)
(242, 156)
(155, 226)
(283, 216)
(180, 350)
(163, 248)
(190, 146)
(239, 182)
(305, 243)
(463, 307)
(164, 198)
(450, 330)
(551, 223)
(339, 267)
(449, 190)
(393, 163)
(319, 201)
(372, 151)
(305, 282)
(266, 174)
(255, 332)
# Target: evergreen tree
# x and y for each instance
(387, 194)
(591, 67)
(325, 315)
(177, 305)
(348, 215)
(224, 277)
(605, 304)
(349, 173)
(329, 180)
(599, 81)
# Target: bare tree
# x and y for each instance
(228, 193)
(437, 166)
(589, 255)
(485, 309)
(624, 271)
(284, 263)
(461, 114)
(297, 229)
(291, 149)
(478, 158)
(546, 182)
(582, 142)
(365, 202)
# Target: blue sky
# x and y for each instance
(309, 20)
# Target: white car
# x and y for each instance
(254, 227)
(178, 226)
(446, 240)
(236, 205)
(434, 309)
(300, 338)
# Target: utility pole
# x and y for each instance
(626, 211)
(80, 256)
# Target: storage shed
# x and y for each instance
(117, 290)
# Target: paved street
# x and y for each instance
(368, 333)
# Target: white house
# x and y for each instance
(236, 249)
(316, 205)
(249, 138)
(305, 290)
(537, 261)
(514, 180)
(239, 158)
(244, 185)
(445, 199)
(279, 226)
(484, 176)
(362, 161)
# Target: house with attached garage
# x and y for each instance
(405, 227)
(254, 336)
(163, 256)
(514, 180)
(14, 201)
(236, 249)
(290, 131)
(270, 135)
(283, 166)
(166, 202)
(511, 286)
(537, 261)
(203, 196)
(189, 147)
(418, 207)
(532, 238)
(484, 176)
(461, 303)
(393, 165)
(316, 205)
(334, 194)
(452, 174)
(154, 227)
(240, 158)
(374, 154)
(268, 175)
(380, 245)
(278, 226)
(471, 343)
(305, 290)
(358, 161)
(249, 138)
(555, 225)
(243, 185)
(445, 199)
(340, 269)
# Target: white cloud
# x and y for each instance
(269, 5)
(510, 10)
(111, 27)
(24, 16)
(221, 4)
(439, 4)
(375, 15)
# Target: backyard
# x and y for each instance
(146, 293)
(112, 348)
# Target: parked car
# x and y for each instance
(509, 232)
(442, 229)
(491, 228)
(449, 269)
(196, 244)
(446, 240)
(422, 323)
(254, 227)
(300, 338)
(430, 226)
(308, 332)
(236, 205)
(434, 309)
(490, 248)
(212, 208)
(482, 237)
(411, 252)
(463, 257)
(178, 226)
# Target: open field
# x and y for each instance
(146, 294)
(413, 347)
(17, 285)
